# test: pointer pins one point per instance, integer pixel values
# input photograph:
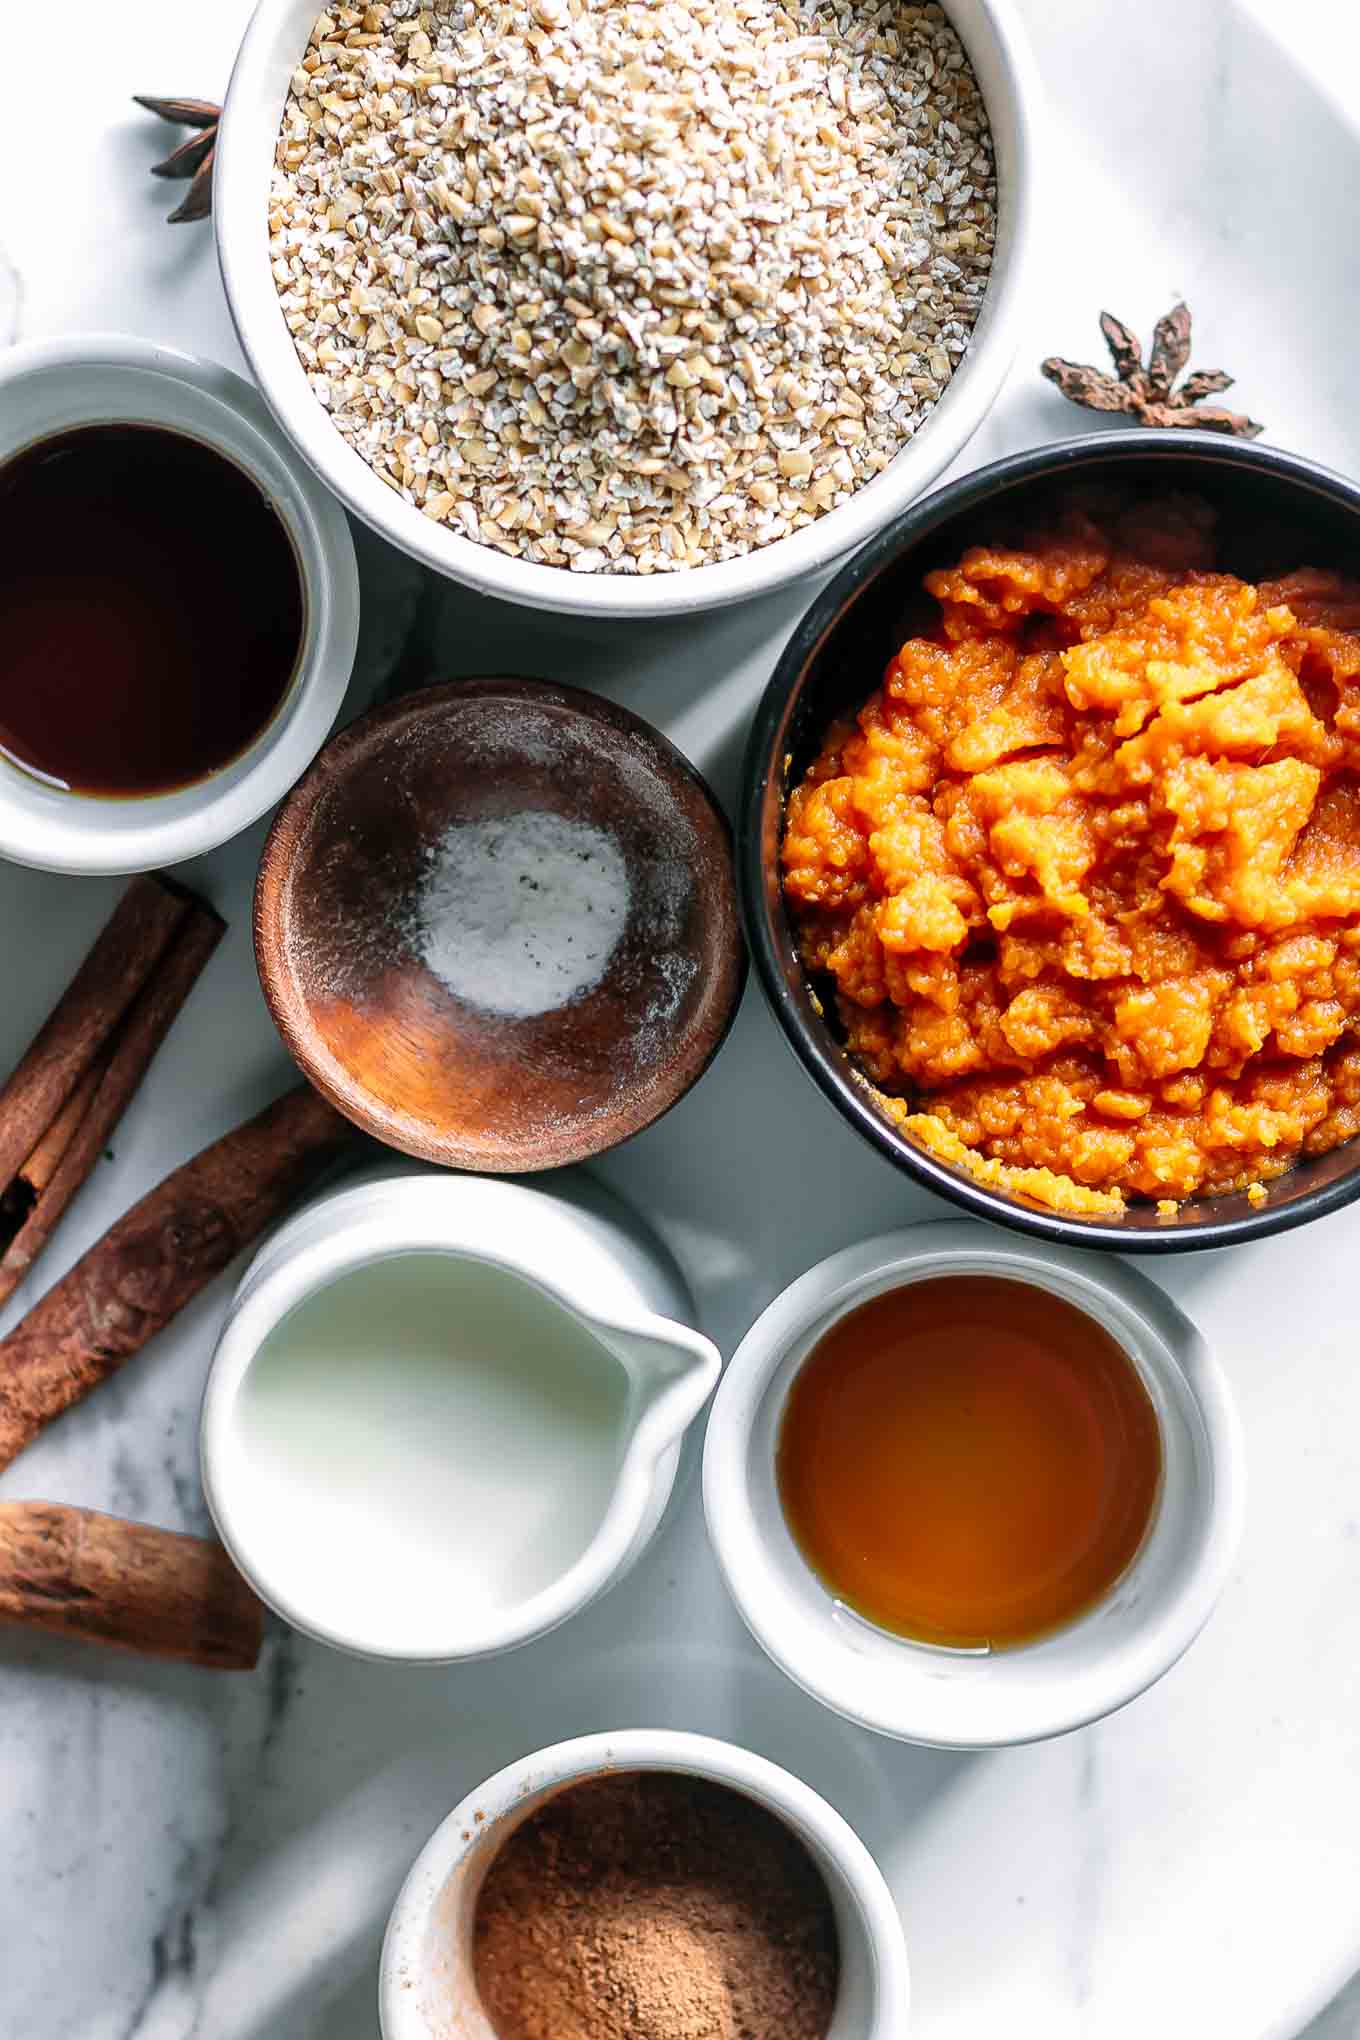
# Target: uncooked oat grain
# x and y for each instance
(630, 286)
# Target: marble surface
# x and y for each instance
(213, 1857)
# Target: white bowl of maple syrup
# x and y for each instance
(970, 1491)
(149, 711)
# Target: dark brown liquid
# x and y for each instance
(969, 1461)
(151, 610)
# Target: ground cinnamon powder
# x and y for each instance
(653, 1906)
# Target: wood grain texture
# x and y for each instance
(145, 1027)
(78, 1573)
(432, 1073)
(123, 957)
(42, 1165)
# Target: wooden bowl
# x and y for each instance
(451, 1067)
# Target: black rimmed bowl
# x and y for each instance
(1276, 512)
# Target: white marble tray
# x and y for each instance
(188, 1855)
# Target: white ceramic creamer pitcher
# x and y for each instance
(367, 1503)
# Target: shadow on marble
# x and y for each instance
(697, 678)
(391, 589)
(169, 257)
(330, 1818)
(1340, 2020)
(60, 1665)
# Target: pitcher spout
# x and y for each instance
(671, 1370)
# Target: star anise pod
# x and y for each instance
(192, 158)
(1149, 393)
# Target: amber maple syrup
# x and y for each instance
(969, 1461)
(151, 610)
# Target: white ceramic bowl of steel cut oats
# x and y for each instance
(624, 307)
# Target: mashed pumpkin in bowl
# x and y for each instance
(1084, 871)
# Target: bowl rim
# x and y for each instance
(289, 1010)
(1105, 1290)
(240, 197)
(480, 1812)
(190, 821)
(760, 766)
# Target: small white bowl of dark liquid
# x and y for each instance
(445, 1413)
(179, 606)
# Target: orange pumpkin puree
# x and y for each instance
(1085, 870)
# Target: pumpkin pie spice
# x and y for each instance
(654, 1906)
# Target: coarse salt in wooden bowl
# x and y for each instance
(496, 924)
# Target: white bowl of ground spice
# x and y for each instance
(624, 308)
(644, 1885)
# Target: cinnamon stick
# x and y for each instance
(43, 1163)
(82, 1574)
(69, 1042)
(62, 1161)
(18, 1199)
(157, 1257)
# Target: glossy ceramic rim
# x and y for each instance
(274, 41)
(233, 422)
(771, 944)
(1110, 1293)
(474, 1820)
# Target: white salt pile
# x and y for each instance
(521, 915)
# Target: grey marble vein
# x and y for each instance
(174, 1963)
